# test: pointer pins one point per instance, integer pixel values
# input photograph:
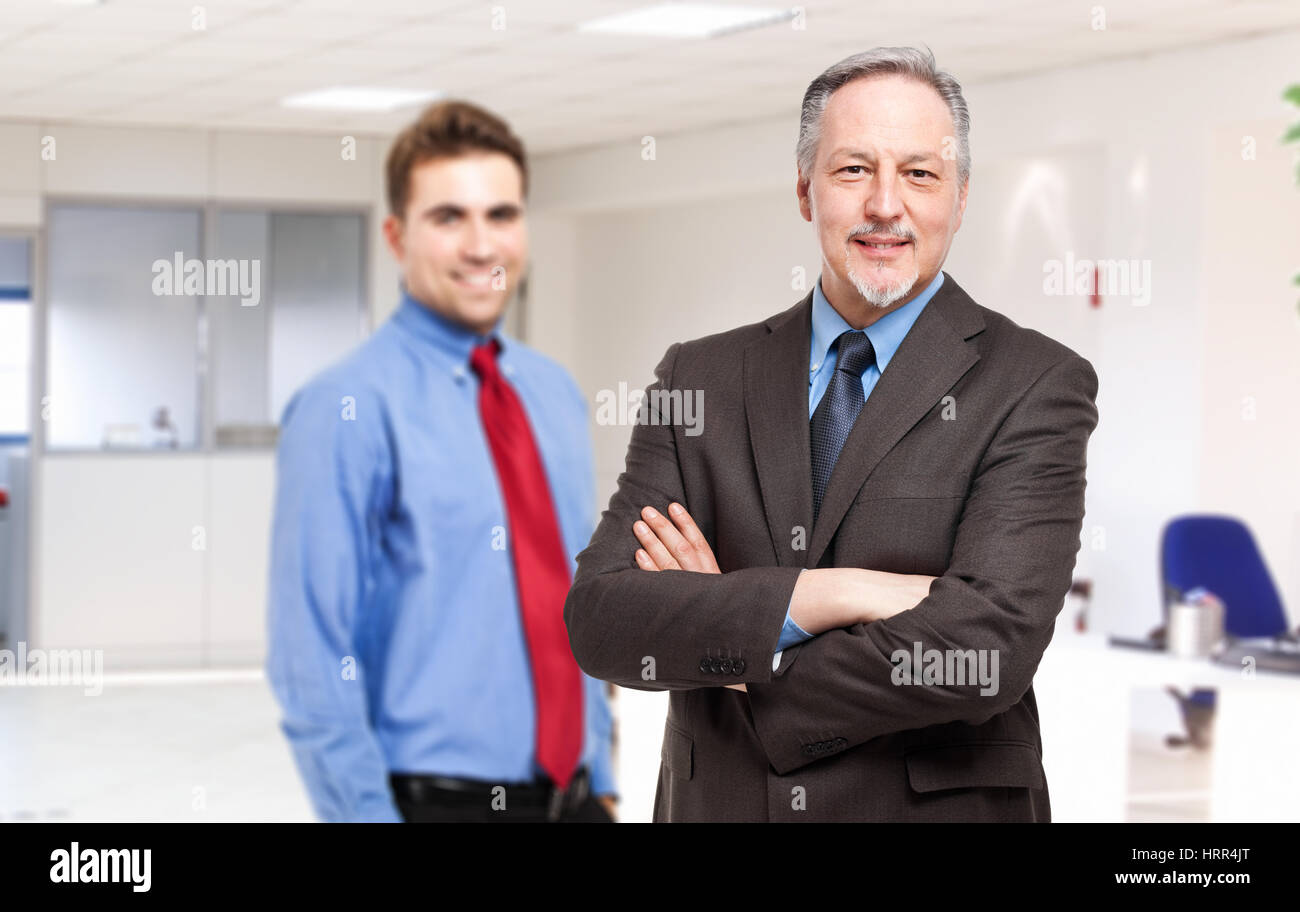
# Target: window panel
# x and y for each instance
(119, 351)
(317, 297)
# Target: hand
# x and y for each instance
(665, 546)
(831, 597)
(894, 593)
(610, 804)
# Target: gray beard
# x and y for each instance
(880, 297)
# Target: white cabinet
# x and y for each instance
(157, 559)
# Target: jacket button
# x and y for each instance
(738, 666)
(705, 666)
(725, 666)
(715, 666)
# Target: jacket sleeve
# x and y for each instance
(321, 547)
(668, 630)
(1012, 561)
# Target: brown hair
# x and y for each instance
(447, 129)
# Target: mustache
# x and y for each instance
(897, 234)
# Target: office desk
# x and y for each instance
(1084, 689)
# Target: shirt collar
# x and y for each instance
(445, 335)
(886, 334)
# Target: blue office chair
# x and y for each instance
(1219, 553)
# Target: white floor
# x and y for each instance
(200, 746)
(152, 747)
(206, 746)
(1168, 784)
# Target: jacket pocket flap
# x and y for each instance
(677, 751)
(1008, 764)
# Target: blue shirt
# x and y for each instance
(886, 334)
(395, 639)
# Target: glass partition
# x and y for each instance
(137, 295)
(122, 343)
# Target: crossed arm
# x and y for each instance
(656, 631)
(1012, 559)
(823, 599)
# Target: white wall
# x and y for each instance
(1250, 388)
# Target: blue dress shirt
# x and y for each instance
(395, 640)
(886, 334)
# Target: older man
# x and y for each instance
(894, 495)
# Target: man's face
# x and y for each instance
(880, 174)
(463, 241)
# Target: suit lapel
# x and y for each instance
(932, 357)
(776, 409)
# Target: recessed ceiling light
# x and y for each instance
(687, 20)
(358, 98)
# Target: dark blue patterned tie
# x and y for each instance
(839, 408)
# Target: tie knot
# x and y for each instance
(483, 359)
(855, 353)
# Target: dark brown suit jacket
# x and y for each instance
(966, 463)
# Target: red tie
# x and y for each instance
(541, 567)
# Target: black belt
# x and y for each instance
(417, 788)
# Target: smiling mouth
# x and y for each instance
(478, 280)
(872, 245)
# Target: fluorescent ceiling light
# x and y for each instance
(357, 98)
(687, 20)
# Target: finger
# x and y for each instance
(654, 547)
(644, 562)
(693, 535)
(681, 550)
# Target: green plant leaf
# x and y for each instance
(1292, 134)
(1292, 94)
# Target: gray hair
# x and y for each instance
(882, 61)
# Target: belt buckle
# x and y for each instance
(580, 788)
(555, 804)
(567, 799)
